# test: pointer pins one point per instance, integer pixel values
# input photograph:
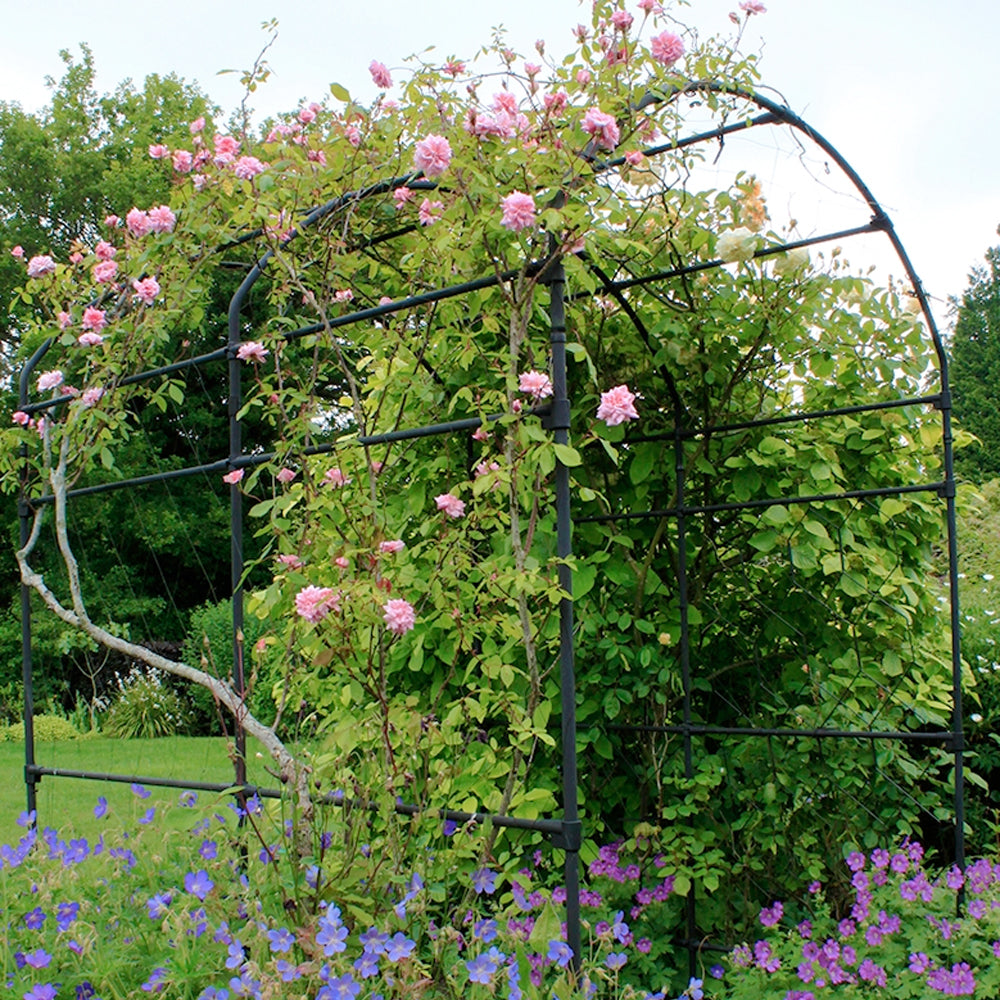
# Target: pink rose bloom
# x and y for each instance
(90, 339)
(480, 434)
(649, 6)
(385, 300)
(17, 251)
(602, 127)
(353, 135)
(40, 426)
(617, 406)
(341, 563)
(532, 69)
(291, 561)
(432, 155)
(430, 211)
(248, 167)
(196, 126)
(633, 157)
(667, 48)
(490, 123)
(397, 545)
(485, 468)
(334, 477)
(161, 219)
(20, 417)
(453, 67)
(65, 320)
(92, 396)
(401, 196)
(138, 222)
(50, 380)
(343, 295)
(159, 152)
(450, 504)
(105, 250)
(536, 384)
(399, 616)
(315, 603)
(556, 102)
(94, 319)
(146, 289)
(307, 115)
(105, 271)
(752, 7)
(622, 20)
(285, 475)
(40, 266)
(112, 221)
(583, 77)
(183, 161)
(518, 211)
(316, 156)
(233, 477)
(380, 75)
(252, 350)
(504, 100)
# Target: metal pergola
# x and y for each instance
(566, 830)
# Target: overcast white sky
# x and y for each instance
(905, 89)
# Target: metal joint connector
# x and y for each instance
(571, 837)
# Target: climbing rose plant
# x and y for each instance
(408, 588)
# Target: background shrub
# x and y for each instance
(48, 729)
(146, 706)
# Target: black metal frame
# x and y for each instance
(566, 831)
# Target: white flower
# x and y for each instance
(736, 245)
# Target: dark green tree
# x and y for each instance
(63, 169)
(975, 371)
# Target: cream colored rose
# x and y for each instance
(792, 262)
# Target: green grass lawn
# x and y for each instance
(68, 803)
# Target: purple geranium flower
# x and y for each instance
(198, 884)
(484, 881)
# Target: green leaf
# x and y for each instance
(569, 457)
(340, 92)
(642, 464)
(548, 926)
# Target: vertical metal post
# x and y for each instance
(559, 423)
(24, 522)
(234, 402)
(682, 599)
(957, 722)
(30, 778)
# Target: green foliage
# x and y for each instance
(145, 706)
(47, 729)
(209, 643)
(975, 370)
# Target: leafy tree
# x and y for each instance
(63, 170)
(975, 370)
